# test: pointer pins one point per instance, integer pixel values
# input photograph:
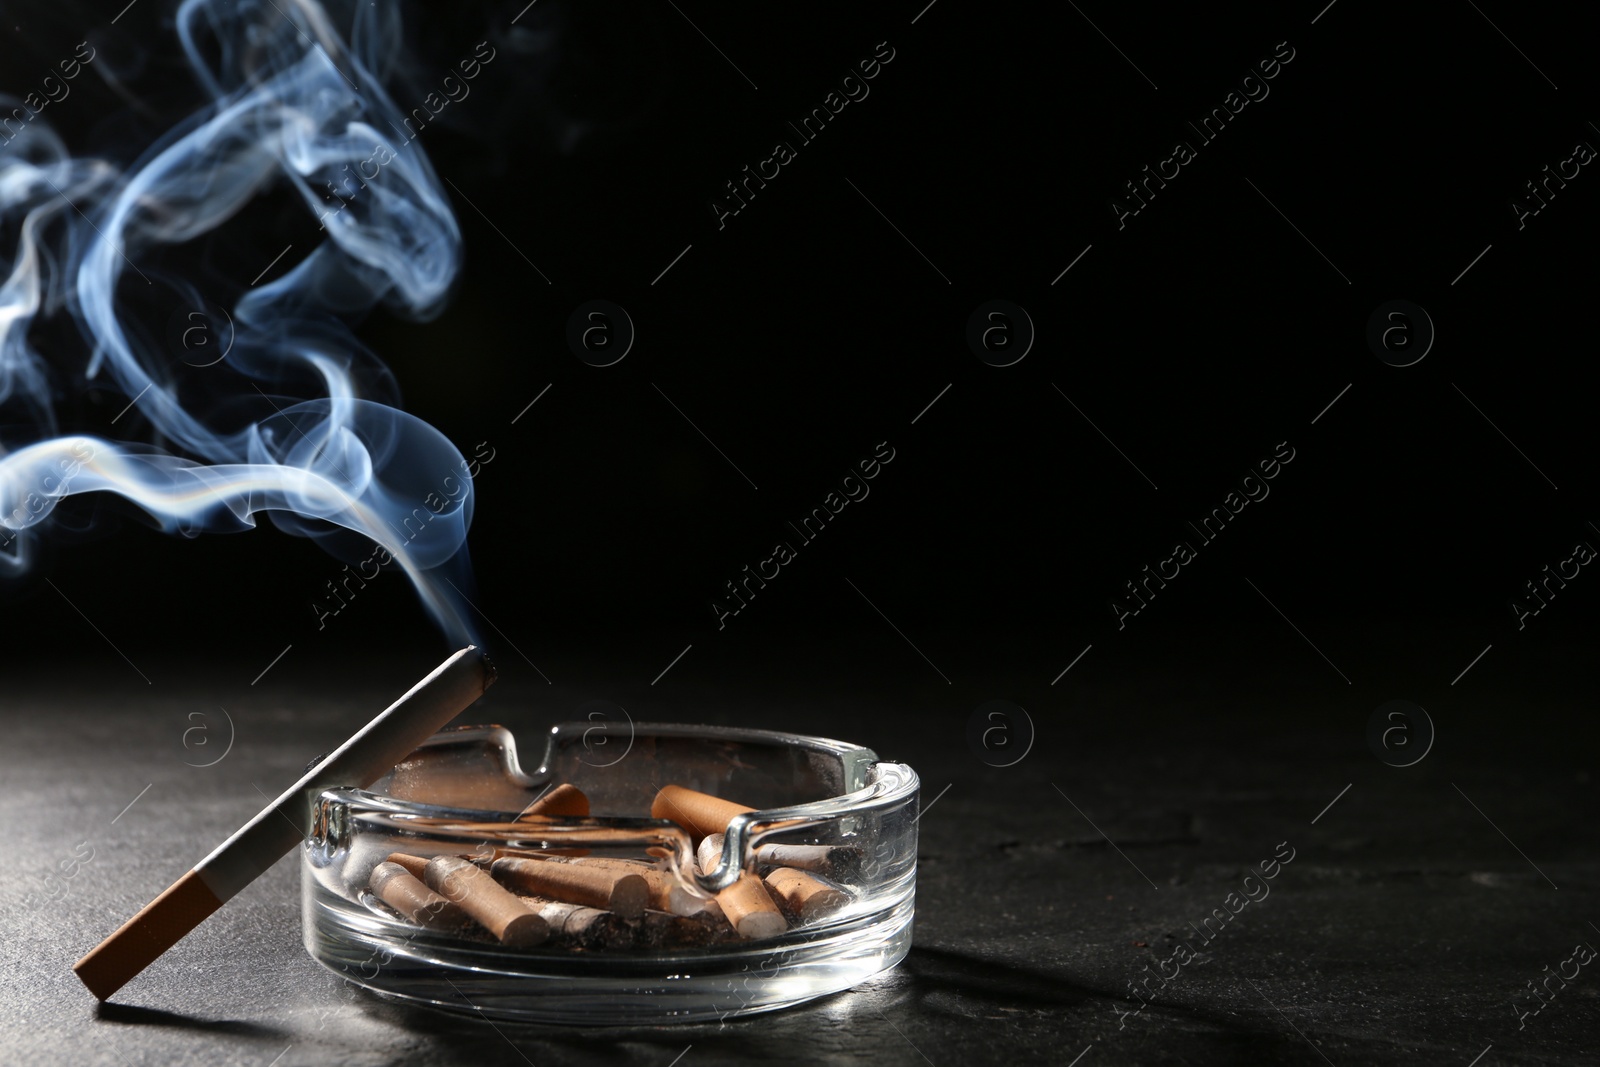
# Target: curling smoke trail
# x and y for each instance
(291, 102)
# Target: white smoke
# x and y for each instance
(288, 101)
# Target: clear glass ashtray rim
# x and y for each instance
(884, 784)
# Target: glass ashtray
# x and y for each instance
(830, 835)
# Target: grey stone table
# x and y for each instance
(1418, 906)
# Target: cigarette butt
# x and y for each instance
(576, 883)
(699, 813)
(750, 909)
(413, 865)
(804, 895)
(835, 861)
(709, 854)
(660, 882)
(481, 897)
(615, 863)
(564, 799)
(404, 892)
(589, 927)
(667, 891)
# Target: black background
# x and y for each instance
(808, 330)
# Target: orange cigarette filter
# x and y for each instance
(660, 883)
(408, 895)
(622, 892)
(749, 907)
(413, 865)
(699, 813)
(667, 892)
(565, 799)
(804, 895)
(480, 896)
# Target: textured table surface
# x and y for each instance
(1404, 930)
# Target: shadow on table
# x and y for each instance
(133, 1015)
(877, 1019)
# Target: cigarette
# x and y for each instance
(480, 896)
(750, 909)
(589, 927)
(623, 892)
(666, 891)
(699, 813)
(835, 861)
(413, 865)
(564, 799)
(658, 882)
(279, 827)
(804, 895)
(405, 893)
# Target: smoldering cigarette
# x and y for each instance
(276, 829)
(623, 892)
(750, 908)
(699, 813)
(804, 895)
(582, 925)
(407, 894)
(480, 896)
